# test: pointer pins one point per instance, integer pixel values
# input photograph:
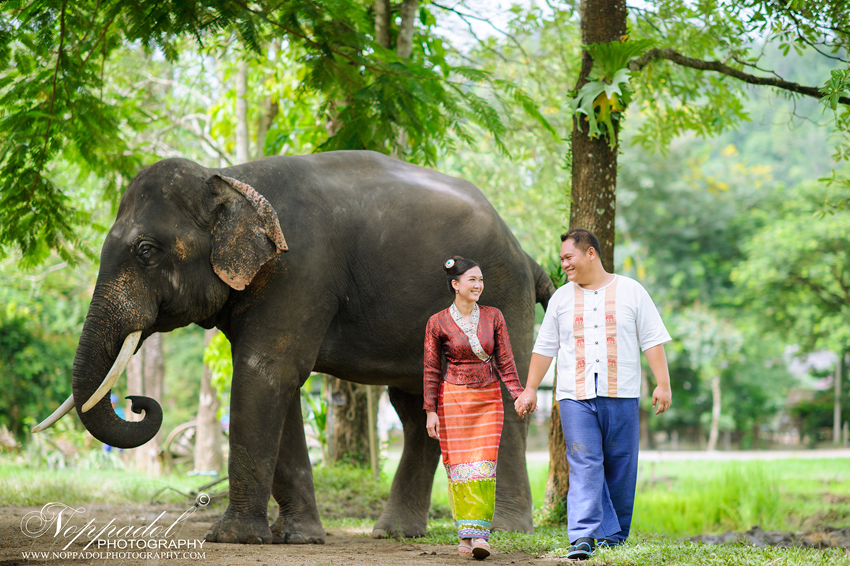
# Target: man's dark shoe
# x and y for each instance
(581, 549)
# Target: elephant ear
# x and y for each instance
(246, 232)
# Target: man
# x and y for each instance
(597, 324)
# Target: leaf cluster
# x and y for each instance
(797, 272)
(53, 110)
(606, 96)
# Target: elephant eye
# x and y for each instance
(145, 251)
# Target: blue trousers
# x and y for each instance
(602, 436)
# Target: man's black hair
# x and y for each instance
(583, 239)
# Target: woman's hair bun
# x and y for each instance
(451, 262)
(456, 266)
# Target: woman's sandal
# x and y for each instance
(480, 548)
(465, 547)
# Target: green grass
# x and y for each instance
(690, 498)
(26, 486)
(644, 549)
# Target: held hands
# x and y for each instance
(431, 424)
(662, 398)
(526, 403)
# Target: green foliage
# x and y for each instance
(36, 368)
(606, 96)
(314, 410)
(817, 414)
(599, 102)
(837, 86)
(609, 59)
(349, 491)
(58, 107)
(219, 358)
(795, 273)
(711, 342)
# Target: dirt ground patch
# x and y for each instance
(825, 537)
(344, 547)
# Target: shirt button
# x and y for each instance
(594, 308)
(596, 292)
(595, 325)
(597, 342)
(597, 360)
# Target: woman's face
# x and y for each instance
(471, 285)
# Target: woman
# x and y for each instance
(464, 402)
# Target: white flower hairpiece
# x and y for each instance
(450, 263)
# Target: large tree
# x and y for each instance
(686, 65)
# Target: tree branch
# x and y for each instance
(820, 291)
(635, 65)
(99, 39)
(467, 17)
(839, 276)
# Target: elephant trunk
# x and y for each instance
(102, 342)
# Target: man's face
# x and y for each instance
(575, 263)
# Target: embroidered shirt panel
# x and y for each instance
(611, 336)
(464, 367)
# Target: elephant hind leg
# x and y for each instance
(406, 513)
(292, 487)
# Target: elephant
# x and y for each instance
(365, 237)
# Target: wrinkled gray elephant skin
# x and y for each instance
(367, 236)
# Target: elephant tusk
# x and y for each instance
(63, 410)
(127, 350)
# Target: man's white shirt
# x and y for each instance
(638, 328)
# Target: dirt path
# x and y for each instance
(344, 547)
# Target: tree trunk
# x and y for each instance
(404, 48)
(404, 43)
(382, 22)
(264, 122)
(593, 199)
(242, 112)
(715, 412)
(145, 377)
(208, 436)
(350, 437)
(836, 416)
(558, 483)
(594, 163)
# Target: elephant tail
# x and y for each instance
(543, 286)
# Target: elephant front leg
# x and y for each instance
(406, 513)
(513, 493)
(298, 521)
(258, 407)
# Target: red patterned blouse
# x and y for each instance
(442, 335)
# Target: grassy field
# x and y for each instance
(675, 500)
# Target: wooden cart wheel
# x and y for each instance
(179, 447)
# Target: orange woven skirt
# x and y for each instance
(470, 429)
